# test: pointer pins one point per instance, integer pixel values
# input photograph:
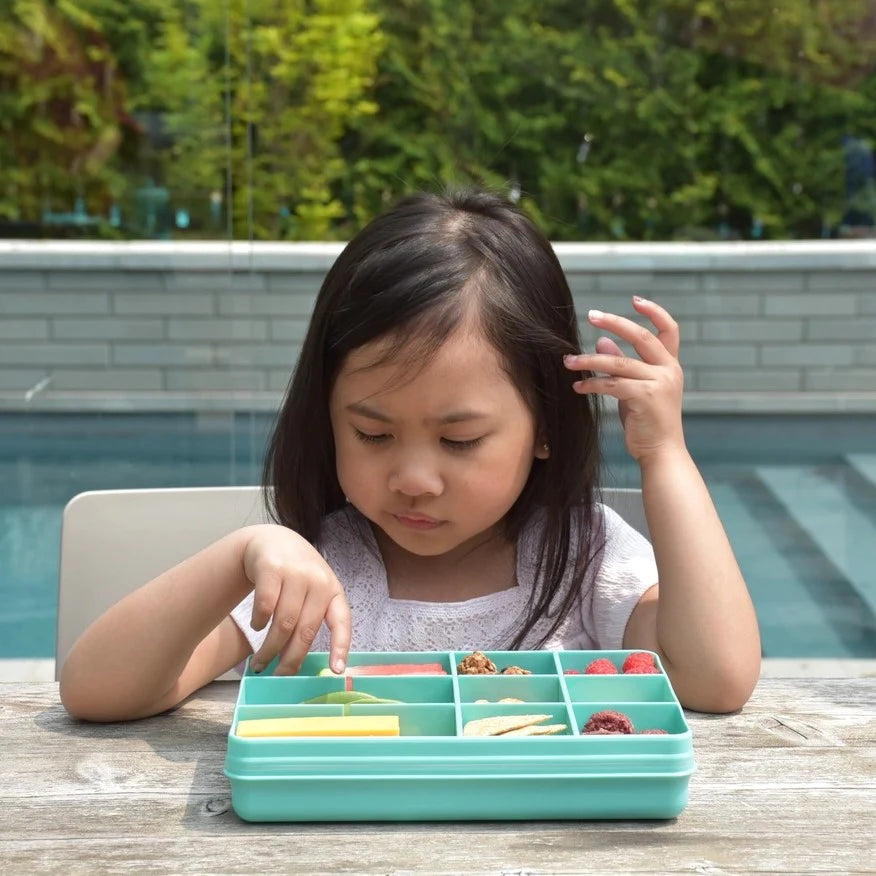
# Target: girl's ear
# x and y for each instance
(542, 449)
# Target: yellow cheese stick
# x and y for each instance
(340, 725)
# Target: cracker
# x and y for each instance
(498, 724)
(536, 730)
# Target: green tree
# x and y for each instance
(269, 93)
(614, 119)
(622, 119)
(252, 98)
(62, 108)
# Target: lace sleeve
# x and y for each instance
(626, 571)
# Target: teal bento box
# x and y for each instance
(432, 772)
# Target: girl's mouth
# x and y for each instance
(417, 521)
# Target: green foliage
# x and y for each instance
(689, 116)
(615, 119)
(61, 107)
(295, 76)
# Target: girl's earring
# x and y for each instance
(544, 451)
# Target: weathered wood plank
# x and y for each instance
(454, 848)
(175, 813)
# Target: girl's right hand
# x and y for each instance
(296, 590)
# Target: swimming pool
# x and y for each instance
(797, 495)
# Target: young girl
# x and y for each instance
(435, 485)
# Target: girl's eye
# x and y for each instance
(366, 438)
(462, 445)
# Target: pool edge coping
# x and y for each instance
(33, 670)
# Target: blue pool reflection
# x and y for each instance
(796, 494)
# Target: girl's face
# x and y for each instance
(436, 459)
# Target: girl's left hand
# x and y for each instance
(648, 389)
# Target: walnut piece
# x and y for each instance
(515, 670)
(477, 663)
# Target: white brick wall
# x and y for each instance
(153, 325)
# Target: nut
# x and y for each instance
(515, 670)
(477, 663)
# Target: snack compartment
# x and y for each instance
(286, 689)
(421, 719)
(511, 720)
(577, 662)
(283, 710)
(529, 688)
(533, 662)
(406, 689)
(379, 663)
(666, 717)
(619, 688)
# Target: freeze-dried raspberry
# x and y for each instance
(601, 666)
(611, 722)
(640, 662)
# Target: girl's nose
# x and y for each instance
(415, 477)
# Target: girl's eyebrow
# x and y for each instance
(454, 417)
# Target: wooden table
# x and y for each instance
(787, 785)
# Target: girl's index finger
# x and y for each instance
(339, 620)
(649, 347)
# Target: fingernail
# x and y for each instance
(639, 300)
(338, 666)
(569, 358)
(256, 667)
(595, 314)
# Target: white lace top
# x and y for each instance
(623, 572)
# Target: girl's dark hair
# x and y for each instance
(413, 274)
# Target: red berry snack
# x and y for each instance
(608, 722)
(601, 666)
(641, 663)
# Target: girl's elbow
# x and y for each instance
(76, 701)
(84, 700)
(725, 692)
(729, 698)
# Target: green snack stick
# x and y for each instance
(338, 696)
(345, 697)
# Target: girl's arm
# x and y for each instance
(170, 637)
(703, 624)
(700, 619)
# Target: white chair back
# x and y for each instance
(112, 541)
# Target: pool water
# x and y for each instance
(797, 495)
